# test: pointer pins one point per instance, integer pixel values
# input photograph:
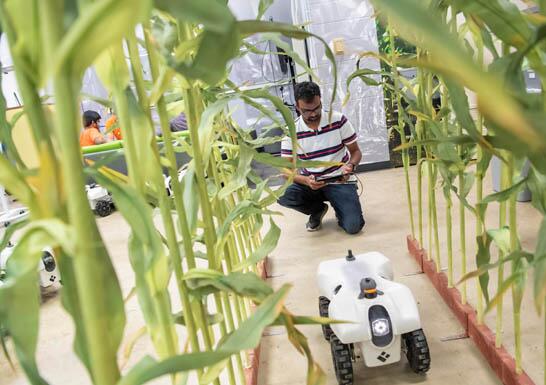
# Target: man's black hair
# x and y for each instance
(90, 117)
(306, 91)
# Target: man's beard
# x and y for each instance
(313, 120)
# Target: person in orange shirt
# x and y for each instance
(91, 134)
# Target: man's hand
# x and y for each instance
(347, 168)
(313, 184)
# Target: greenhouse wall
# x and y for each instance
(352, 21)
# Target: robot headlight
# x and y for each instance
(380, 327)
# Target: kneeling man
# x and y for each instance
(318, 140)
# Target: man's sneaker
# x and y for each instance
(315, 220)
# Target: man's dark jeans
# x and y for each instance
(343, 198)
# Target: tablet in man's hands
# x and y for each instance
(330, 178)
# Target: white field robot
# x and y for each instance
(100, 200)
(47, 267)
(383, 315)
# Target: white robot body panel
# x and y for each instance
(340, 272)
(96, 194)
(47, 266)
(396, 299)
(374, 356)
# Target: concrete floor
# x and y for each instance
(295, 260)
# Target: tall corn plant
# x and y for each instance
(212, 214)
(509, 124)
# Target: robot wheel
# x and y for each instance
(103, 208)
(417, 351)
(342, 356)
(323, 311)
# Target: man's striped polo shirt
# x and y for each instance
(328, 143)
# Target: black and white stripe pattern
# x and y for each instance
(328, 143)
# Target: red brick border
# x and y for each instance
(499, 359)
(251, 371)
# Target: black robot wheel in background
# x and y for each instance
(103, 208)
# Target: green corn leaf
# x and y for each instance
(216, 48)
(459, 101)
(315, 374)
(362, 74)
(490, 266)
(268, 245)
(6, 128)
(148, 368)
(22, 321)
(132, 339)
(17, 185)
(97, 99)
(205, 281)
(265, 111)
(254, 325)
(539, 283)
(287, 48)
(458, 139)
(504, 195)
(212, 319)
(241, 211)
(148, 259)
(239, 179)
(206, 127)
(3, 338)
(21, 286)
(503, 18)
(447, 152)
(536, 183)
(519, 266)
(468, 183)
(109, 19)
(211, 14)
(10, 230)
(483, 258)
(191, 197)
(501, 238)
(305, 320)
(213, 372)
(506, 284)
(279, 105)
(447, 57)
(247, 336)
(24, 19)
(111, 67)
(467, 205)
(262, 7)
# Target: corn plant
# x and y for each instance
(211, 234)
(509, 125)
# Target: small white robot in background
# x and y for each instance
(47, 267)
(383, 315)
(100, 200)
